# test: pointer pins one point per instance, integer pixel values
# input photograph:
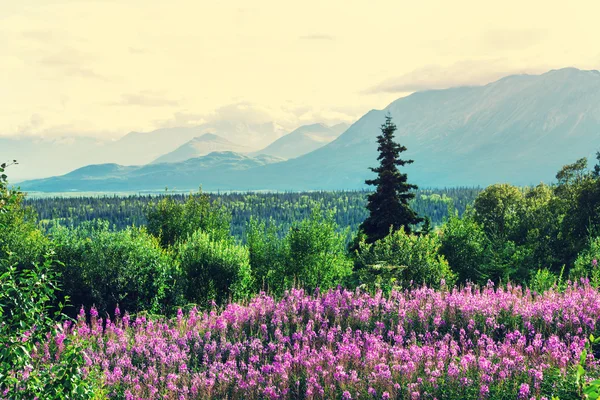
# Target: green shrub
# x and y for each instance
(31, 365)
(402, 258)
(544, 280)
(20, 239)
(317, 253)
(464, 244)
(106, 268)
(268, 254)
(311, 254)
(171, 221)
(214, 269)
(586, 264)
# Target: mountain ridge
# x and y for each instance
(200, 146)
(303, 140)
(519, 129)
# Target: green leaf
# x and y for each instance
(583, 357)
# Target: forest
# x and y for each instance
(390, 293)
(283, 208)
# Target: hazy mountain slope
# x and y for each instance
(200, 146)
(303, 140)
(137, 148)
(520, 129)
(55, 156)
(210, 171)
(46, 157)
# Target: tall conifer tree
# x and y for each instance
(388, 205)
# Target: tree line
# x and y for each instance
(283, 208)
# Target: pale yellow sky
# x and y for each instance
(104, 68)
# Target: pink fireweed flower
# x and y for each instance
(524, 391)
(343, 342)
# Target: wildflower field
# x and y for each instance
(468, 343)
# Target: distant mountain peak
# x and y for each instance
(205, 144)
(207, 137)
(301, 140)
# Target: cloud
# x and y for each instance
(317, 37)
(182, 119)
(42, 36)
(146, 99)
(255, 125)
(137, 50)
(512, 39)
(70, 62)
(464, 73)
(31, 126)
(236, 113)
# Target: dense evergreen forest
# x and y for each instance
(283, 208)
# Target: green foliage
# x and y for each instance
(596, 170)
(544, 280)
(497, 209)
(389, 206)
(107, 268)
(19, 236)
(285, 209)
(31, 325)
(466, 247)
(30, 334)
(317, 253)
(214, 269)
(312, 254)
(172, 221)
(509, 235)
(586, 264)
(588, 388)
(402, 258)
(8, 197)
(268, 252)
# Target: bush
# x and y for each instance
(172, 221)
(214, 269)
(312, 254)
(37, 359)
(402, 258)
(106, 268)
(19, 237)
(268, 254)
(317, 253)
(586, 264)
(544, 280)
(464, 244)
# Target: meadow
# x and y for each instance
(451, 343)
(285, 296)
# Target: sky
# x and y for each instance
(105, 68)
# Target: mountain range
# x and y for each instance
(111, 177)
(43, 157)
(303, 140)
(520, 129)
(200, 146)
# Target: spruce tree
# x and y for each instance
(388, 205)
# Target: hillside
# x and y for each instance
(303, 140)
(209, 171)
(200, 146)
(520, 129)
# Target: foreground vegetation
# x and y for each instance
(467, 343)
(268, 318)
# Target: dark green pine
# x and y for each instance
(388, 205)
